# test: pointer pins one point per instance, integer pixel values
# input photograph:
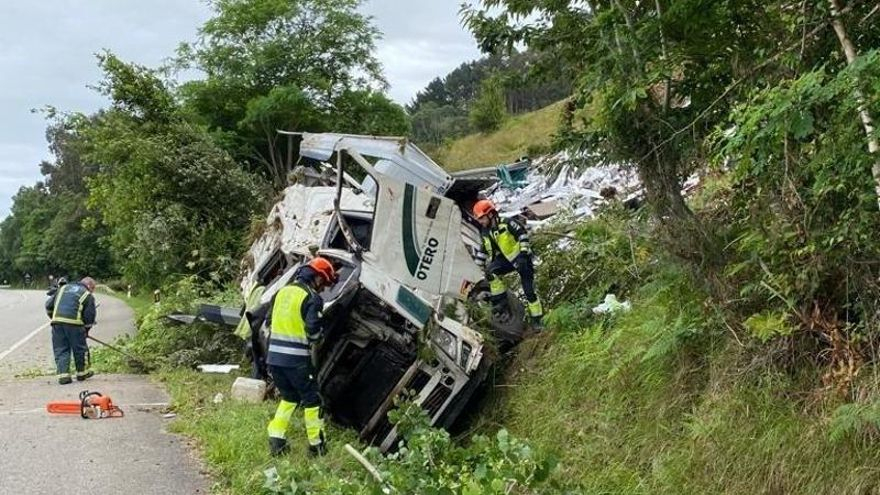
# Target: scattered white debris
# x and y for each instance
(169, 415)
(555, 184)
(218, 398)
(217, 368)
(611, 305)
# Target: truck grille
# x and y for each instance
(436, 400)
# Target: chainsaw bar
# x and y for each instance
(91, 405)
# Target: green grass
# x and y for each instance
(104, 360)
(662, 401)
(139, 303)
(525, 134)
(231, 435)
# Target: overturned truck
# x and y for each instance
(397, 320)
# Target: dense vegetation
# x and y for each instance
(747, 364)
(478, 96)
(164, 182)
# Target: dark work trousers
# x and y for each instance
(297, 383)
(67, 339)
(523, 265)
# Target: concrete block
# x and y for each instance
(248, 389)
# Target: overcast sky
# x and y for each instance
(47, 52)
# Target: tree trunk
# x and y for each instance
(632, 32)
(849, 51)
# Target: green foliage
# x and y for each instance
(659, 401)
(304, 65)
(855, 420)
(284, 107)
(159, 343)
(439, 111)
(655, 79)
(429, 462)
(608, 254)
(433, 124)
(488, 111)
(518, 135)
(319, 45)
(768, 325)
(174, 201)
(803, 212)
(368, 112)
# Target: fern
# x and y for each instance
(853, 420)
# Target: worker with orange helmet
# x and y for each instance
(295, 323)
(506, 248)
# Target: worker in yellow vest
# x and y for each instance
(72, 311)
(295, 323)
(506, 248)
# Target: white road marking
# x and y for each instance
(23, 341)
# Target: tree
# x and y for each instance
(285, 107)
(263, 58)
(368, 112)
(321, 46)
(653, 81)
(489, 110)
(850, 53)
(433, 124)
(175, 203)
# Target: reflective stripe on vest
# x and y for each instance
(288, 335)
(77, 320)
(504, 239)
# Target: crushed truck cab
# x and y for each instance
(396, 319)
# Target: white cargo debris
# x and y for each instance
(611, 305)
(555, 184)
(217, 368)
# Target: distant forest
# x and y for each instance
(443, 109)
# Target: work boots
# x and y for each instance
(538, 323)
(278, 446)
(85, 375)
(64, 380)
(319, 450)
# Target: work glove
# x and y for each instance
(316, 337)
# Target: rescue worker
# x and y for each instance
(506, 248)
(295, 323)
(58, 283)
(72, 310)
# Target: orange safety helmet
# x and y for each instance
(323, 268)
(483, 207)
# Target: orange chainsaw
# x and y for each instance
(91, 405)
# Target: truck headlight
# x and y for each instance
(465, 354)
(446, 342)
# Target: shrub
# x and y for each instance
(429, 462)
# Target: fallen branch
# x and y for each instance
(368, 466)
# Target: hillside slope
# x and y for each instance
(527, 134)
(668, 398)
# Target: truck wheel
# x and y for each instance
(508, 325)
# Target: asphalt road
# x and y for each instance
(25, 337)
(42, 453)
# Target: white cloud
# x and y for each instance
(423, 39)
(47, 58)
